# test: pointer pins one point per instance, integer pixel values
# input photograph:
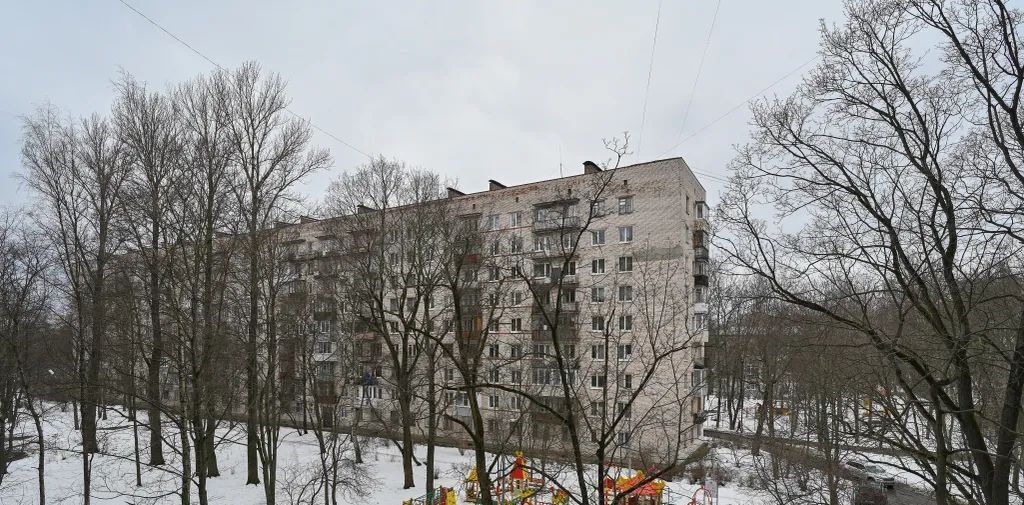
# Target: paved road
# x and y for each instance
(901, 495)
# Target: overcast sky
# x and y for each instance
(472, 90)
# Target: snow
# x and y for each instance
(114, 469)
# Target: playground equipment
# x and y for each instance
(443, 496)
(518, 488)
(702, 496)
(634, 490)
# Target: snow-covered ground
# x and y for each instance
(114, 469)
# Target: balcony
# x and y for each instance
(566, 332)
(549, 308)
(701, 253)
(325, 392)
(561, 223)
(461, 411)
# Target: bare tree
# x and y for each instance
(887, 192)
(79, 171)
(394, 274)
(23, 311)
(271, 154)
(149, 131)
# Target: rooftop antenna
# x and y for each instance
(560, 174)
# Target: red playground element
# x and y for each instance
(648, 493)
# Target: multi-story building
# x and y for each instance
(620, 255)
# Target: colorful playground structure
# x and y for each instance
(520, 488)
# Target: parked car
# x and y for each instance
(869, 494)
(874, 473)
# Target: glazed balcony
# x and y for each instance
(557, 223)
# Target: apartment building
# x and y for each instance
(611, 265)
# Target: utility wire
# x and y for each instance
(700, 67)
(214, 63)
(738, 106)
(647, 90)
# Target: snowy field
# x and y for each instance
(114, 470)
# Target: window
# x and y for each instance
(516, 351)
(516, 403)
(625, 263)
(597, 208)
(493, 401)
(516, 244)
(627, 381)
(493, 273)
(597, 294)
(625, 351)
(517, 297)
(493, 325)
(625, 322)
(493, 350)
(597, 237)
(625, 293)
(393, 258)
(542, 269)
(515, 219)
(493, 222)
(570, 269)
(325, 369)
(598, 381)
(597, 323)
(623, 409)
(517, 377)
(541, 244)
(700, 294)
(449, 374)
(542, 376)
(597, 409)
(325, 347)
(598, 351)
(517, 324)
(625, 205)
(700, 321)
(393, 326)
(622, 438)
(393, 304)
(569, 350)
(540, 350)
(625, 234)
(495, 248)
(597, 266)
(494, 376)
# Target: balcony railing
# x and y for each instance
(557, 223)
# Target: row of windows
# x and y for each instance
(543, 214)
(597, 237)
(550, 376)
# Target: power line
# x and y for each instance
(647, 90)
(738, 106)
(700, 67)
(214, 63)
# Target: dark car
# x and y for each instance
(870, 494)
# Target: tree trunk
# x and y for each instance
(156, 450)
(252, 439)
(431, 420)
